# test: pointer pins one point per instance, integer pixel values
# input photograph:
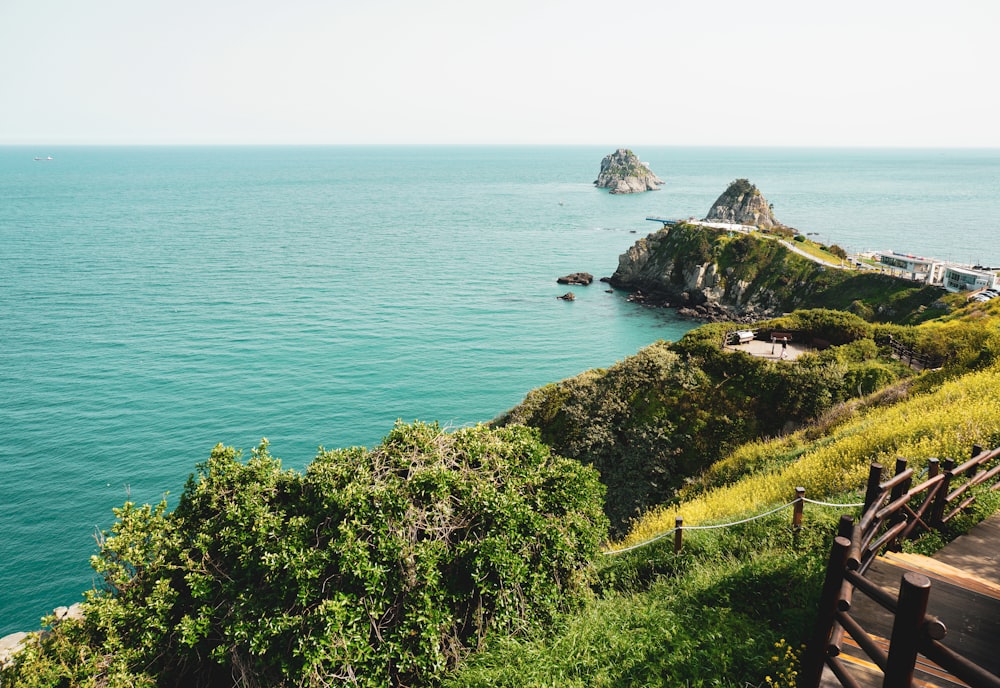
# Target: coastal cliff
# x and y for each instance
(713, 274)
(623, 172)
(742, 203)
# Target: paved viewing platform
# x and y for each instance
(772, 350)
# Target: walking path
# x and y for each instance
(795, 249)
(965, 596)
(977, 552)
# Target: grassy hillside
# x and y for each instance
(944, 423)
(734, 606)
(654, 422)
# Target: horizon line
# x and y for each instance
(232, 144)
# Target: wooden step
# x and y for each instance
(925, 673)
(968, 607)
(934, 569)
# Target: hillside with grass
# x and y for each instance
(654, 422)
(482, 557)
(756, 275)
(733, 607)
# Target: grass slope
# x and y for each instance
(732, 608)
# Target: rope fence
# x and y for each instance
(679, 527)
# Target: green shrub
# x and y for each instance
(375, 568)
(655, 420)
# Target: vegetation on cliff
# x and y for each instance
(652, 423)
(658, 418)
(374, 568)
(752, 273)
(390, 566)
(731, 609)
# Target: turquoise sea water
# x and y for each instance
(157, 301)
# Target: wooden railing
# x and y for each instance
(894, 511)
(914, 358)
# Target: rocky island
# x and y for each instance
(742, 203)
(623, 172)
(580, 278)
(713, 274)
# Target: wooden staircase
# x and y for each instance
(968, 606)
(888, 619)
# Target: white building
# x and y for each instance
(966, 279)
(916, 268)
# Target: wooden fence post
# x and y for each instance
(845, 527)
(976, 451)
(800, 495)
(678, 534)
(873, 490)
(899, 489)
(907, 627)
(941, 503)
(814, 656)
(897, 492)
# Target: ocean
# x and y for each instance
(156, 301)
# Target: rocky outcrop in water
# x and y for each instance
(581, 278)
(743, 204)
(623, 172)
(679, 268)
(717, 274)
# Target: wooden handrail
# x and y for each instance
(895, 510)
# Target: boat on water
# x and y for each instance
(45, 159)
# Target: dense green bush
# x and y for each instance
(829, 326)
(375, 568)
(657, 419)
(837, 251)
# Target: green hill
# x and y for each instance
(734, 606)
(472, 558)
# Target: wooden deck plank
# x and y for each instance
(935, 568)
(926, 672)
(972, 619)
(977, 552)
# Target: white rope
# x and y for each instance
(720, 525)
(641, 544)
(840, 506)
(745, 520)
(734, 523)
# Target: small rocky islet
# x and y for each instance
(622, 172)
(742, 203)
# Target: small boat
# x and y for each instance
(49, 157)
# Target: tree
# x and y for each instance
(376, 567)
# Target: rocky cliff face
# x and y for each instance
(677, 267)
(743, 204)
(714, 274)
(623, 172)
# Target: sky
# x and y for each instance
(881, 73)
